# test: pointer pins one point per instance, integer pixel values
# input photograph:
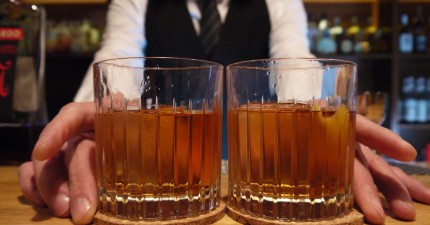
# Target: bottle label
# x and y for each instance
(421, 43)
(406, 43)
(9, 39)
(11, 33)
(410, 115)
(421, 111)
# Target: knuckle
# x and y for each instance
(24, 169)
(378, 162)
(69, 107)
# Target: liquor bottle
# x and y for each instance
(326, 45)
(346, 43)
(420, 38)
(406, 37)
(361, 44)
(372, 35)
(428, 98)
(336, 32)
(93, 38)
(22, 67)
(385, 31)
(428, 33)
(313, 33)
(323, 24)
(409, 105)
(347, 40)
(421, 104)
(353, 31)
(337, 28)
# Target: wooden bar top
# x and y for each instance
(16, 209)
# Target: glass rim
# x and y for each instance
(247, 63)
(111, 61)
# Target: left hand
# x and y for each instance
(372, 174)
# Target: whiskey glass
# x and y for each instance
(291, 145)
(158, 137)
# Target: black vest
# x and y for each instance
(245, 35)
(245, 32)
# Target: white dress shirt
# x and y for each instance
(124, 35)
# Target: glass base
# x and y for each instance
(207, 218)
(302, 208)
(161, 206)
(352, 218)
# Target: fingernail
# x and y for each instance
(61, 205)
(408, 207)
(412, 153)
(379, 210)
(81, 211)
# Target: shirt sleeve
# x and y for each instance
(288, 35)
(124, 36)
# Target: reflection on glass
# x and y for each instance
(372, 105)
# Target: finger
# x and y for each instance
(366, 195)
(417, 190)
(383, 140)
(51, 180)
(82, 181)
(28, 184)
(391, 186)
(72, 119)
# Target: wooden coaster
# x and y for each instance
(209, 218)
(353, 218)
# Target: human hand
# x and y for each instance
(372, 174)
(61, 174)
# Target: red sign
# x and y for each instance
(8, 49)
(4, 90)
(11, 33)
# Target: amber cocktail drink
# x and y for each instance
(158, 137)
(291, 136)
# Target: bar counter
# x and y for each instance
(16, 209)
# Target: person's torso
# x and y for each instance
(244, 36)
